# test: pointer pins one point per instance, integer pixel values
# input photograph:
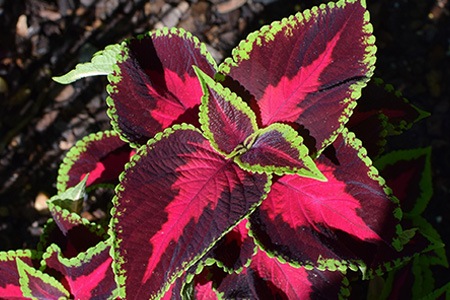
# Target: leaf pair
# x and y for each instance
(231, 127)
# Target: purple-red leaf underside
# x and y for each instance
(303, 220)
(302, 70)
(154, 85)
(78, 236)
(186, 196)
(103, 155)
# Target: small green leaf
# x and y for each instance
(101, 64)
(71, 199)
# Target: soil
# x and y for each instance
(40, 119)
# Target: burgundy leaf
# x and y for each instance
(302, 69)
(78, 235)
(235, 249)
(65, 208)
(177, 197)
(9, 274)
(311, 222)
(268, 278)
(230, 125)
(226, 120)
(408, 173)
(185, 286)
(279, 149)
(154, 85)
(102, 155)
(371, 130)
(37, 285)
(379, 97)
(424, 248)
(89, 275)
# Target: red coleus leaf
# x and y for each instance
(226, 120)
(268, 278)
(408, 173)
(205, 291)
(77, 235)
(371, 129)
(153, 88)
(230, 126)
(62, 205)
(380, 98)
(102, 155)
(177, 197)
(279, 149)
(235, 249)
(423, 253)
(88, 275)
(73, 233)
(302, 69)
(38, 285)
(310, 222)
(9, 274)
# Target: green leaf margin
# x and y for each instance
(73, 155)
(26, 270)
(116, 75)
(343, 266)
(267, 33)
(236, 101)
(296, 141)
(425, 184)
(118, 261)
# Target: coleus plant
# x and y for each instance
(244, 179)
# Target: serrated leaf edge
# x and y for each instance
(425, 184)
(74, 153)
(209, 83)
(118, 260)
(310, 170)
(115, 76)
(25, 269)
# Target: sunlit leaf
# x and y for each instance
(101, 64)
(103, 155)
(154, 84)
(302, 70)
(334, 224)
(88, 275)
(186, 196)
(38, 285)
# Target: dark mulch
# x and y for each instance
(40, 119)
